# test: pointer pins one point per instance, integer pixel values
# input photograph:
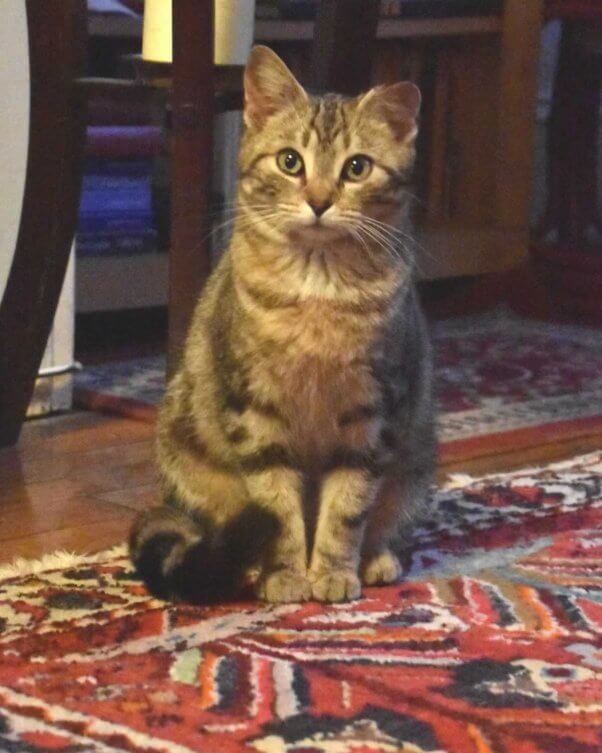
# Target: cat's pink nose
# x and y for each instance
(319, 207)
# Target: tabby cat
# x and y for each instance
(297, 434)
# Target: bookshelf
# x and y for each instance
(273, 30)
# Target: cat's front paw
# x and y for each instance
(335, 585)
(381, 568)
(283, 587)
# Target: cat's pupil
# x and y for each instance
(290, 161)
(357, 166)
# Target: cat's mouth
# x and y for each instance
(317, 230)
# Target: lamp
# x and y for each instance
(156, 31)
(233, 32)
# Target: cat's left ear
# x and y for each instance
(398, 104)
(269, 86)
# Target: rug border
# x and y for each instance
(469, 448)
(114, 405)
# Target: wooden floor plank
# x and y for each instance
(77, 432)
(74, 482)
(81, 539)
(42, 519)
(70, 465)
(137, 498)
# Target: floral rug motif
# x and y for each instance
(500, 381)
(490, 644)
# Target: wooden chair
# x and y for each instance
(57, 35)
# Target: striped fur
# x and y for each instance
(301, 414)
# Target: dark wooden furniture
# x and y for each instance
(568, 245)
(573, 133)
(52, 185)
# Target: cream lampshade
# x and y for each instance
(233, 34)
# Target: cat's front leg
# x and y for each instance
(284, 574)
(346, 498)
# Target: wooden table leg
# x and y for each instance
(193, 109)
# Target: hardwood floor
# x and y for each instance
(76, 481)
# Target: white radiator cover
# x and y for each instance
(55, 392)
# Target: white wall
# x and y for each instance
(14, 126)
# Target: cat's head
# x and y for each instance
(323, 167)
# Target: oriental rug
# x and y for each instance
(490, 644)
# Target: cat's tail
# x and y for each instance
(182, 559)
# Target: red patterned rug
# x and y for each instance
(491, 644)
(502, 383)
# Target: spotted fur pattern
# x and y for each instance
(304, 392)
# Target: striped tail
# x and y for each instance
(181, 558)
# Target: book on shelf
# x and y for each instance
(116, 182)
(115, 224)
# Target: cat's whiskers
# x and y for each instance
(393, 237)
(393, 242)
(415, 245)
(382, 242)
(376, 236)
(243, 222)
(275, 219)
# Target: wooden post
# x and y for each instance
(343, 45)
(192, 113)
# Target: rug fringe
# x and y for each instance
(57, 560)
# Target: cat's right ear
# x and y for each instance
(269, 86)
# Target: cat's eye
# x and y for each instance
(290, 162)
(357, 168)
